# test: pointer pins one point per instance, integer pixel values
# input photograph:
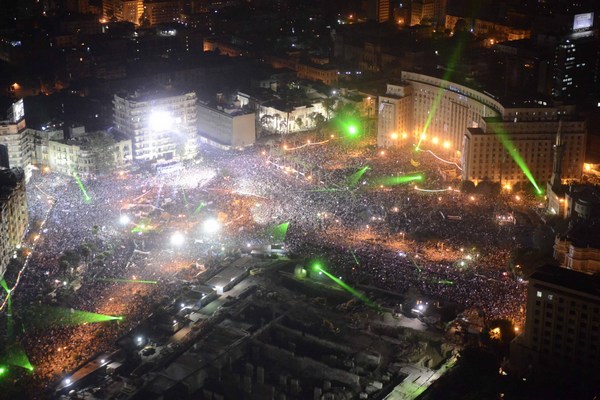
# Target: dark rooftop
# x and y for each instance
(569, 279)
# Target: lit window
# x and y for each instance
(539, 294)
(550, 297)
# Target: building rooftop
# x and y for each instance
(569, 279)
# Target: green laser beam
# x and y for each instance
(86, 197)
(511, 149)
(440, 93)
(200, 207)
(60, 316)
(355, 258)
(15, 355)
(184, 197)
(445, 282)
(127, 281)
(347, 287)
(10, 322)
(398, 180)
(279, 232)
(353, 179)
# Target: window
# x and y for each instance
(539, 294)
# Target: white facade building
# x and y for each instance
(161, 124)
(225, 127)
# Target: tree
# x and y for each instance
(104, 150)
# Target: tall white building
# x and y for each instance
(162, 124)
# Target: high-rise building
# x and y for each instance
(17, 138)
(422, 11)
(161, 11)
(13, 213)
(161, 124)
(562, 329)
(378, 10)
(123, 10)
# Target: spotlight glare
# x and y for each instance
(211, 226)
(159, 121)
(177, 239)
(124, 219)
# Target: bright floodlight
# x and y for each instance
(124, 219)
(160, 121)
(211, 225)
(177, 239)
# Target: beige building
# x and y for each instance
(577, 255)
(41, 140)
(123, 10)
(395, 116)
(493, 30)
(79, 155)
(436, 109)
(532, 133)
(17, 138)
(13, 213)
(473, 127)
(161, 11)
(562, 329)
(226, 127)
(284, 118)
(161, 124)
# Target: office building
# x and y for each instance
(161, 11)
(379, 10)
(161, 123)
(13, 213)
(17, 138)
(123, 10)
(226, 127)
(562, 329)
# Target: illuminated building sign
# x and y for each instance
(583, 21)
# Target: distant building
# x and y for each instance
(161, 11)
(422, 12)
(161, 124)
(13, 213)
(378, 10)
(227, 127)
(41, 139)
(123, 10)
(562, 329)
(78, 155)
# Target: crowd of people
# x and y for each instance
(395, 236)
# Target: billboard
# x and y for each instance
(583, 21)
(17, 111)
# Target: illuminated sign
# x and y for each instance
(583, 21)
(18, 111)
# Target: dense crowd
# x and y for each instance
(395, 237)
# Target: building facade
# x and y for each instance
(582, 257)
(395, 116)
(523, 139)
(13, 213)
(225, 127)
(161, 11)
(562, 328)
(161, 124)
(439, 109)
(17, 138)
(82, 157)
(123, 10)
